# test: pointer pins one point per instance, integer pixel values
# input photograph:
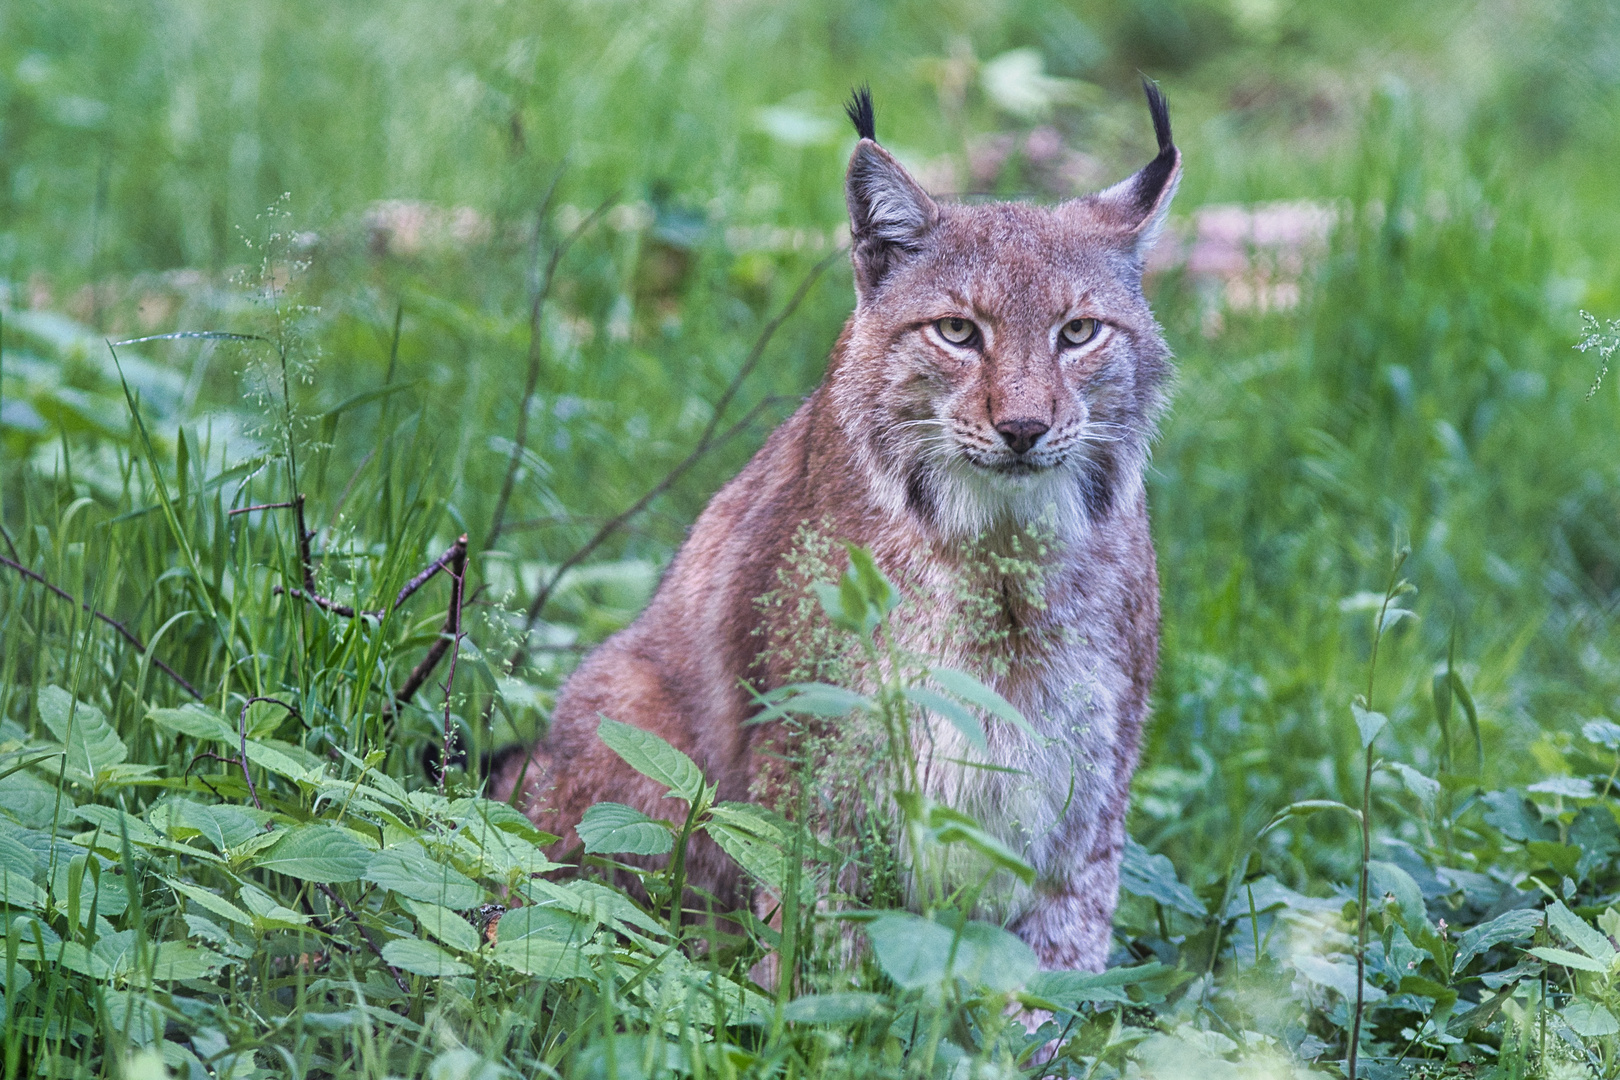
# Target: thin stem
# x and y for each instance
(452, 624)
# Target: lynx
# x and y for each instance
(990, 403)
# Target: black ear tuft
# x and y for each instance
(859, 111)
(1151, 180)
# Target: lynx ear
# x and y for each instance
(889, 214)
(1137, 206)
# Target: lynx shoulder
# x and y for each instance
(983, 426)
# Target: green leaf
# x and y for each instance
(408, 872)
(268, 912)
(1339, 977)
(211, 901)
(992, 958)
(541, 957)
(1369, 724)
(94, 745)
(321, 853)
(838, 1008)
(197, 721)
(976, 693)
(17, 860)
(18, 890)
(964, 830)
(960, 718)
(653, 758)
(423, 958)
(611, 828)
(1143, 873)
(911, 950)
(444, 924)
(821, 699)
(1568, 959)
(1425, 789)
(1518, 925)
(1304, 808)
(175, 961)
(1387, 879)
(1575, 930)
(1589, 1020)
(547, 920)
(1073, 988)
(876, 588)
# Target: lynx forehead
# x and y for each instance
(1009, 363)
(1001, 369)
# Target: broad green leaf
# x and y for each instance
(17, 860)
(322, 853)
(992, 958)
(268, 911)
(18, 889)
(1517, 925)
(1425, 789)
(1143, 873)
(593, 901)
(423, 958)
(210, 901)
(1387, 879)
(1369, 724)
(1605, 733)
(974, 692)
(1304, 808)
(176, 960)
(1589, 1020)
(445, 925)
(876, 587)
(837, 1008)
(31, 801)
(197, 721)
(970, 835)
(653, 758)
(92, 744)
(911, 950)
(1073, 988)
(408, 872)
(611, 828)
(1568, 787)
(960, 718)
(541, 957)
(821, 699)
(114, 823)
(1575, 930)
(547, 921)
(1568, 959)
(109, 896)
(1339, 977)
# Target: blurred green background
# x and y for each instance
(1385, 358)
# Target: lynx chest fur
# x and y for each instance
(982, 428)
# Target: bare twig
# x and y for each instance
(709, 440)
(452, 626)
(241, 724)
(261, 506)
(123, 630)
(365, 935)
(542, 289)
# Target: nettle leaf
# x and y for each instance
(911, 950)
(541, 957)
(1575, 930)
(547, 920)
(653, 758)
(611, 828)
(322, 853)
(837, 1008)
(92, 744)
(976, 693)
(210, 901)
(197, 721)
(1145, 874)
(960, 718)
(1387, 879)
(819, 699)
(1568, 959)
(992, 958)
(1070, 989)
(268, 911)
(408, 872)
(445, 925)
(1569, 787)
(1514, 926)
(1589, 1020)
(1425, 789)
(1339, 977)
(423, 958)
(1603, 732)
(1369, 724)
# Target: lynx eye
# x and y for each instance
(956, 331)
(1079, 331)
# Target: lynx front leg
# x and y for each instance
(1070, 924)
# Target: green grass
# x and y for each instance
(1425, 394)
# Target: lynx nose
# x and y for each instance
(1021, 435)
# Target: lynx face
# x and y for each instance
(1002, 362)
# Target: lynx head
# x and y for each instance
(1001, 362)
